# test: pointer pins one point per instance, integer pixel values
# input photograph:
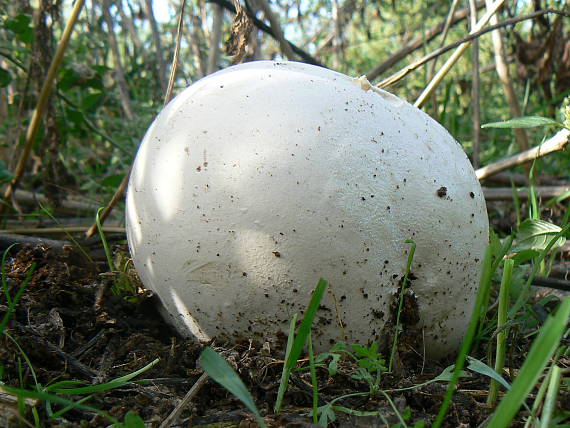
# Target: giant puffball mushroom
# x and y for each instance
(261, 178)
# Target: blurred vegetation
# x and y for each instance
(112, 80)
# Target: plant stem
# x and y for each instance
(502, 334)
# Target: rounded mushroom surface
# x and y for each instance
(261, 178)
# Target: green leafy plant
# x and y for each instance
(296, 343)
(536, 361)
(220, 371)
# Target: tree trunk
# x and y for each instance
(119, 71)
(157, 45)
(215, 38)
(504, 75)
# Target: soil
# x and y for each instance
(69, 325)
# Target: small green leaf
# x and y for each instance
(91, 100)
(447, 374)
(524, 122)
(20, 26)
(525, 255)
(327, 414)
(220, 371)
(112, 180)
(536, 235)
(132, 420)
(5, 78)
(482, 368)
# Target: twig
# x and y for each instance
(125, 182)
(434, 83)
(215, 38)
(444, 33)
(554, 144)
(73, 362)
(114, 201)
(56, 230)
(417, 43)
(418, 63)
(276, 27)
(505, 78)
(42, 102)
(475, 91)
(557, 284)
(173, 416)
(174, 67)
(68, 206)
(266, 29)
(506, 193)
(7, 240)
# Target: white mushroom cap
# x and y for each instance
(259, 179)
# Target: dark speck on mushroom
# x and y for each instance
(442, 191)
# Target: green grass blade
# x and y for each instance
(478, 311)
(300, 339)
(540, 353)
(480, 367)
(63, 387)
(401, 302)
(501, 351)
(305, 327)
(551, 396)
(220, 371)
(13, 302)
(315, 386)
(47, 397)
(286, 372)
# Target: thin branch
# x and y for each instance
(157, 44)
(417, 43)
(475, 90)
(215, 38)
(173, 416)
(59, 230)
(506, 193)
(119, 193)
(557, 284)
(114, 201)
(174, 67)
(396, 77)
(266, 29)
(447, 66)
(42, 101)
(554, 144)
(276, 27)
(505, 77)
(119, 70)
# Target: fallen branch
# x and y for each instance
(67, 206)
(557, 284)
(506, 193)
(59, 230)
(554, 144)
(16, 241)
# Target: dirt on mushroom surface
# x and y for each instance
(70, 326)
